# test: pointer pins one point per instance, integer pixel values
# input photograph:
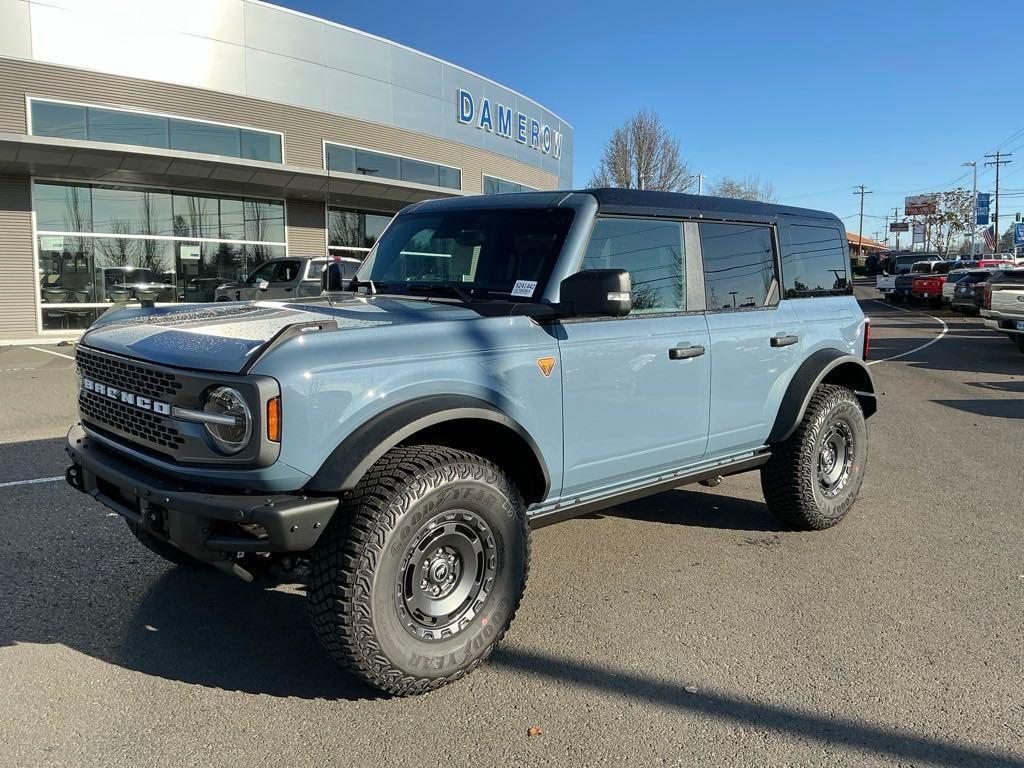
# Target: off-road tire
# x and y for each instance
(790, 480)
(161, 548)
(355, 593)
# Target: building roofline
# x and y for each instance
(411, 50)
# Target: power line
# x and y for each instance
(998, 162)
(861, 191)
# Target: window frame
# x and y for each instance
(326, 143)
(29, 99)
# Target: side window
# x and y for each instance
(652, 253)
(815, 263)
(286, 271)
(739, 265)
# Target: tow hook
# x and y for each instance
(73, 475)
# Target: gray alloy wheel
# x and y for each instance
(813, 477)
(417, 579)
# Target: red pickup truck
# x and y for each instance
(929, 287)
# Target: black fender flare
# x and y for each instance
(351, 459)
(831, 364)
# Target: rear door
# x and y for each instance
(636, 389)
(755, 338)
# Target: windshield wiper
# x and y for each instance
(458, 290)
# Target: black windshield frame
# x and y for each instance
(495, 248)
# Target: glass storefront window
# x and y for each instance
(380, 165)
(122, 126)
(192, 136)
(101, 244)
(64, 121)
(354, 230)
(63, 207)
(495, 186)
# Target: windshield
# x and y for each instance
(482, 254)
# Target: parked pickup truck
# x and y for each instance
(902, 285)
(497, 363)
(1003, 305)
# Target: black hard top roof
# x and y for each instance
(634, 202)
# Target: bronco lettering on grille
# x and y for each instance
(124, 396)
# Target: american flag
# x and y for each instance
(990, 237)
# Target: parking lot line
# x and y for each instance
(51, 352)
(32, 482)
(945, 330)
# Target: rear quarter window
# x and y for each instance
(815, 263)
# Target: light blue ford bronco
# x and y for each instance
(498, 363)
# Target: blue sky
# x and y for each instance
(813, 97)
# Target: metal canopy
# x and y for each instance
(98, 162)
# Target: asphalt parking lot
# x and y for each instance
(684, 629)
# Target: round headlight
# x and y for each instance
(232, 431)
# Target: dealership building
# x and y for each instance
(155, 150)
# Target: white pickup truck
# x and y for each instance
(1003, 305)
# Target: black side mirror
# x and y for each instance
(597, 292)
(331, 279)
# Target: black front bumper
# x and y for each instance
(210, 525)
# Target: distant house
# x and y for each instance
(861, 247)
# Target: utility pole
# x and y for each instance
(973, 223)
(997, 162)
(860, 233)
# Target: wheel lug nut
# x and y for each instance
(423, 584)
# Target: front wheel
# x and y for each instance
(419, 578)
(814, 476)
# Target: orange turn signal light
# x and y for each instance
(274, 419)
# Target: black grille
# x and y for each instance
(127, 375)
(128, 420)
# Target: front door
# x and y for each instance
(635, 390)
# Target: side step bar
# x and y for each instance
(569, 511)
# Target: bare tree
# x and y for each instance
(642, 154)
(749, 188)
(951, 218)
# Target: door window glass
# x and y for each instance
(739, 265)
(652, 253)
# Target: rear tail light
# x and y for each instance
(867, 338)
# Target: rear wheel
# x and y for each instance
(814, 476)
(420, 576)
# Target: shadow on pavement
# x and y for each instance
(1000, 409)
(704, 510)
(823, 728)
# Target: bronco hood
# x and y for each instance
(228, 337)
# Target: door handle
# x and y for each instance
(783, 341)
(288, 290)
(685, 353)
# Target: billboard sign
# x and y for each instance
(982, 208)
(899, 226)
(921, 205)
(1018, 234)
(918, 232)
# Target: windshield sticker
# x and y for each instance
(524, 288)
